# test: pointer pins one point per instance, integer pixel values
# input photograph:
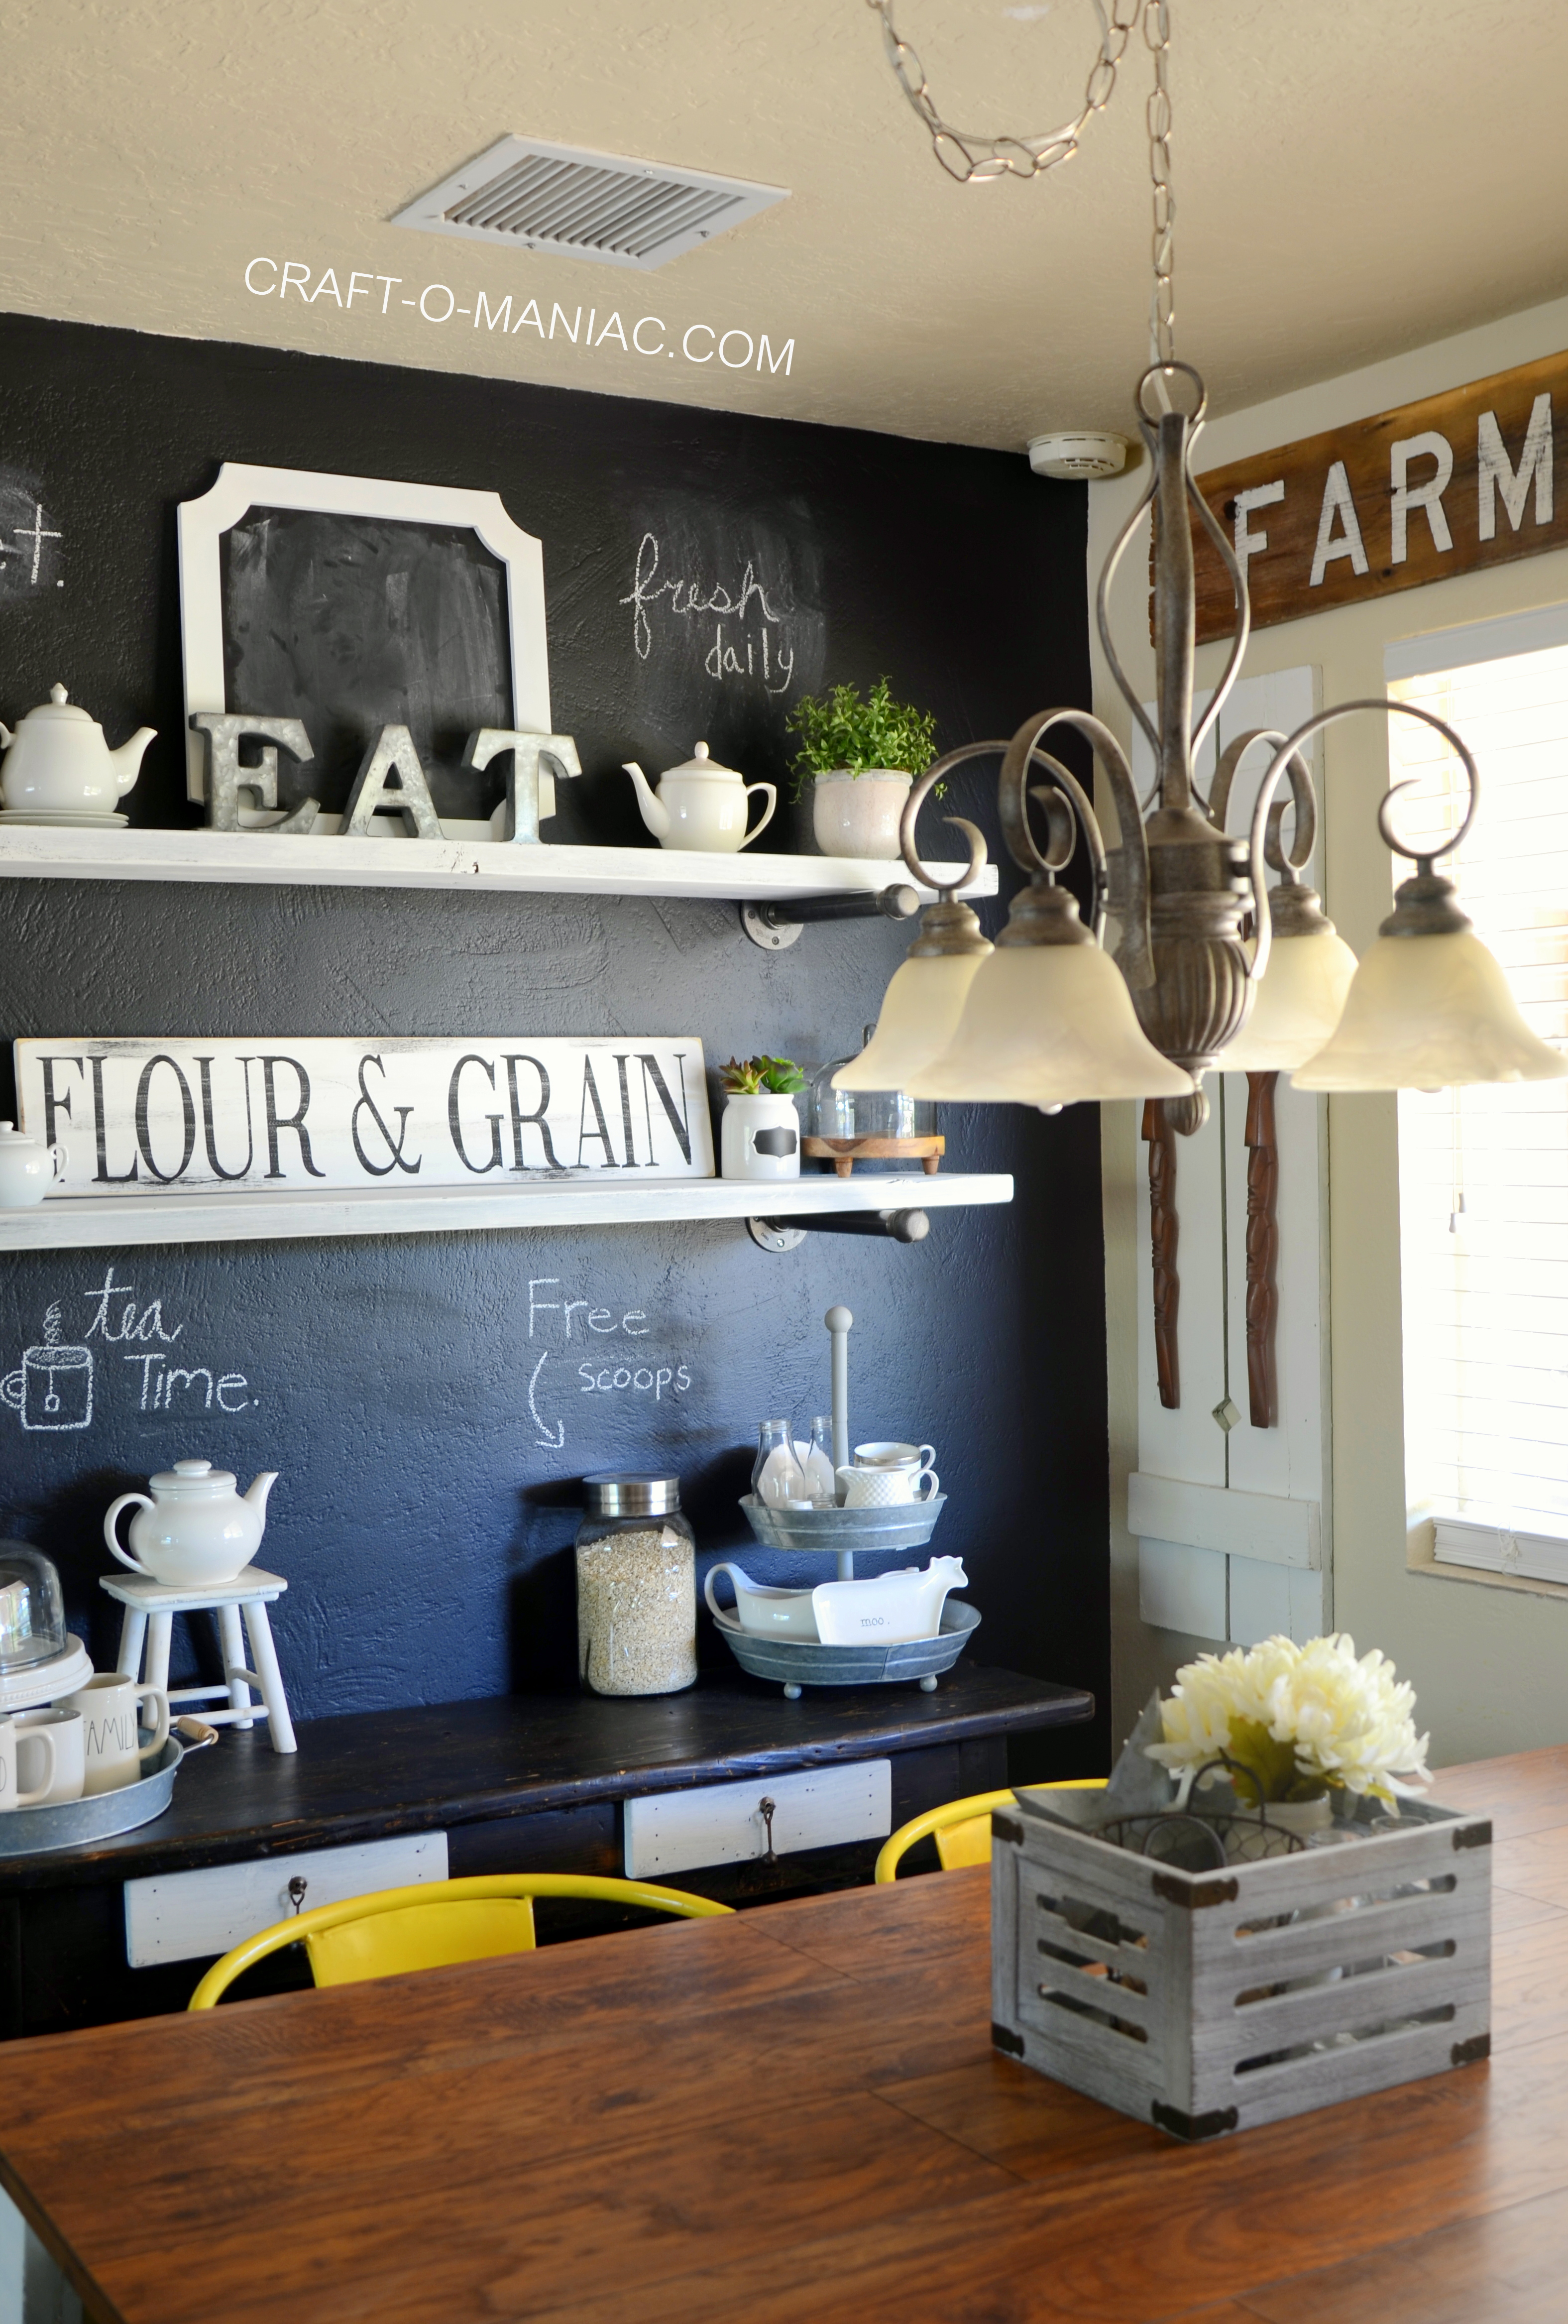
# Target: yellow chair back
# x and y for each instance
(961, 1829)
(419, 1936)
(433, 1925)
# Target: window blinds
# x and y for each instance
(1483, 1173)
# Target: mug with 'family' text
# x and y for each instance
(114, 1755)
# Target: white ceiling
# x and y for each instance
(1352, 180)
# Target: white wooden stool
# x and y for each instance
(150, 1610)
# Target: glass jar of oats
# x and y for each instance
(636, 1586)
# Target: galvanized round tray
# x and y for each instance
(796, 1662)
(77, 1824)
(908, 1525)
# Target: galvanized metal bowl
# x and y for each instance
(77, 1824)
(796, 1662)
(909, 1524)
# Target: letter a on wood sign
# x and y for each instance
(391, 779)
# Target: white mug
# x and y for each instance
(890, 1455)
(65, 1733)
(887, 1489)
(109, 1705)
(12, 1795)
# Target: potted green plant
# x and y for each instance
(861, 753)
(760, 1135)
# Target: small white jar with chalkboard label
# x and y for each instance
(760, 1137)
(636, 1586)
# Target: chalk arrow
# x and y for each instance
(556, 1442)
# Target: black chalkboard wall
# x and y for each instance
(424, 1514)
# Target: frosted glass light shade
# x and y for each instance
(1049, 1025)
(1299, 1002)
(1428, 1013)
(920, 1015)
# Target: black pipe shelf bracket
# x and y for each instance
(893, 1226)
(775, 926)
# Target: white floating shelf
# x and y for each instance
(263, 859)
(85, 1221)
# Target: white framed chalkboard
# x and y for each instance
(365, 602)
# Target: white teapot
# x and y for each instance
(197, 1529)
(28, 1168)
(58, 762)
(700, 805)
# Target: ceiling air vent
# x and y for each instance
(529, 196)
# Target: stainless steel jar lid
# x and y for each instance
(629, 1493)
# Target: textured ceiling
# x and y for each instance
(1351, 180)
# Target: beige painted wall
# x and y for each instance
(1488, 1664)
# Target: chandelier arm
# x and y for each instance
(922, 790)
(1302, 791)
(1125, 868)
(1422, 858)
(1107, 575)
(1216, 532)
(1093, 837)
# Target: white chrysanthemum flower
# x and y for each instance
(1348, 1723)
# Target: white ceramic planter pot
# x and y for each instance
(858, 815)
(760, 1137)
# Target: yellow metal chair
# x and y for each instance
(962, 1830)
(432, 1925)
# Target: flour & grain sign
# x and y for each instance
(1475, 476)
(154, 1117)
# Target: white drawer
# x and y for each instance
(723, 1823)
(190, 1915)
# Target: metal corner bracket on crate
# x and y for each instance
(1206, 2003)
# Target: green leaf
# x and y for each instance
(843, 728)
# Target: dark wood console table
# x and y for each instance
(517, 1784)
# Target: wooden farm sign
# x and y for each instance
(139, 1117)
(1458, 481)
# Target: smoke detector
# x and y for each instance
(525, 195)
(1074, 454)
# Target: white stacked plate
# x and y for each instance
(34, 1683)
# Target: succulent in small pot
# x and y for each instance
(760, 1135)
(860, 753)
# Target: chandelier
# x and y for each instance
(1211, 965)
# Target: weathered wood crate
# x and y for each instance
(1207, 2002)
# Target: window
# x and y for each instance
(1483, 1173)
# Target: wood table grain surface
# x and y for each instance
(793, 2114)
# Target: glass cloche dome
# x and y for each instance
(32, 1610)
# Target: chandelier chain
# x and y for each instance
(971, 157)
(1162, 307)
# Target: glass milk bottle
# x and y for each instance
(821, 1478)
(776, 1476)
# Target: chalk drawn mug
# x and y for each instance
(62, 1735)
(12, 1795)
(52, 1388)
(28, 1169)
(113, 1754)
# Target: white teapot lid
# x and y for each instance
(58, 707)
(194, 1478)
(11, 1135)
(699, 763)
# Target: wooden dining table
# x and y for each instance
(793, 2114)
